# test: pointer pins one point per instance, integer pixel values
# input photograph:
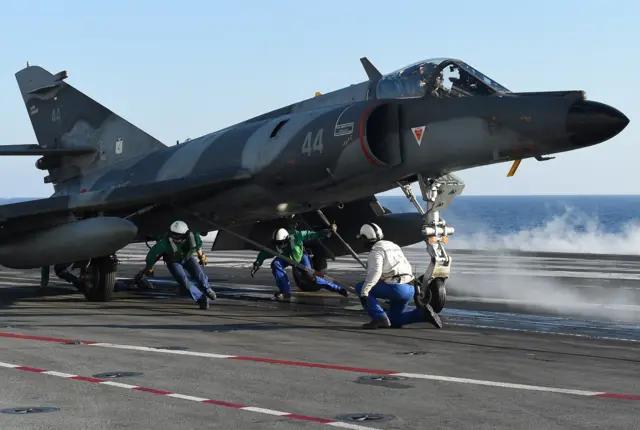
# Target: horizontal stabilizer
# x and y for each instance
(173, 191)
(39, 150)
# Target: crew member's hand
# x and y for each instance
(333, 228)
(255, 268)
(203, 259)
(147, 272)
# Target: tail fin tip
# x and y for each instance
(64, 118)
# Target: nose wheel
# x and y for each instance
(438, 193)
(434, 293)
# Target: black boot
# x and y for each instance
(377, 323)
(203, 302)
(431, 316)
(343, 292)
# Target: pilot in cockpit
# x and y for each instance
(423, 76)
(439, 90)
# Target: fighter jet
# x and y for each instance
(320, 159)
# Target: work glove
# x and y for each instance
(203, 259)
(332, 229)
(255, 268)
(147, 272)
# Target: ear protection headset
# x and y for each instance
(375, 230)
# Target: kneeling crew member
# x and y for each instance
(291, 244)
(388, 277)
(178, 251)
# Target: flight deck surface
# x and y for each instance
(252, 362)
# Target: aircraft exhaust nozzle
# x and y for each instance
(589, 123)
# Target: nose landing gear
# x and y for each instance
(438, 193)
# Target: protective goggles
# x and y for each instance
(282, 243)
(177, 237)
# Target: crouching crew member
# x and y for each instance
(389, 277)
(290, 243)
(178, 250)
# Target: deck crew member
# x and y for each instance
(178, 250)
(389, 277)
(290, 243)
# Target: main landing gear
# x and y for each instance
(98, 277)
(438, 193)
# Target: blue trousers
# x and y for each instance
(282, 280)
(399, 295)
(191, 266)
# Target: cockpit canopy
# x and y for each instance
(438, 77)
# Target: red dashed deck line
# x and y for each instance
(451, 379)
(40, 338)
(164, 393)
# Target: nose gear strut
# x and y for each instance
(438, 193)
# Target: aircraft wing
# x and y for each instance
(42, 213)
(350, 217)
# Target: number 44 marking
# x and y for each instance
(55, 115)
(308, 147)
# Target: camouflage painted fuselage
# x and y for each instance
(338, 148)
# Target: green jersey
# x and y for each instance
(176, 252)
(296, 244)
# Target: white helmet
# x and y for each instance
(280, 237)
(178, 230)
(370, 231)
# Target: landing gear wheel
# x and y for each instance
(304, 280)
(100, 279)
(438, 294)
(435, 294)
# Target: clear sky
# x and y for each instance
(185, 68)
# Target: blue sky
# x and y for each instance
(185, 68)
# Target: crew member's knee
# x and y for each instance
(305, 260)
(277, 266)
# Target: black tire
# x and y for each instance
(438, 293)
(100, 279)
(304, 280)
(435, 294)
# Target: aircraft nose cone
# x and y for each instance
(590, 123)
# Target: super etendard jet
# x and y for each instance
(114, 184)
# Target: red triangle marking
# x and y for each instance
(417, 133)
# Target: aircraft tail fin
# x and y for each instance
(76, 134)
